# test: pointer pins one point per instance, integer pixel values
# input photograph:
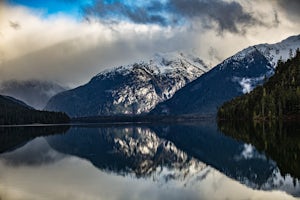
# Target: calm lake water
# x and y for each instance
(127, 162)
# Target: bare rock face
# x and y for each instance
(133, 89)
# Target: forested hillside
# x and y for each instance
(13, 111)
(277, 98)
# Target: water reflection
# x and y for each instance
(279, 140)
(237, 159)
(124, 150)
(153, 162)
(14, 137)
(35, 153)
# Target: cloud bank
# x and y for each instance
(291, 8)
(70, 51)
(225, 15)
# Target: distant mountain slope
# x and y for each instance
(279, 97)
(33, 92)
(132, 89)
(16, 112)
(235, 76)
(17, 101)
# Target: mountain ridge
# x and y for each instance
(16, 112)
(277, 98)
(132, 89)
(236, 75)
(34, 93)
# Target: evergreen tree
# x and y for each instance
(278, 98)
(14, 112)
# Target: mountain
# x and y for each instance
(278, 97)
(16, 101)
(132, 89)
(235, 76)
(33, 92)
(16, 112)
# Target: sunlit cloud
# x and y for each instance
(70, 51)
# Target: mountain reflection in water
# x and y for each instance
(145, 162)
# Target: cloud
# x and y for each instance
(69, 51)
(229, 16)
(225, 15)
(291, 7)
(117, 10)
(15, 25)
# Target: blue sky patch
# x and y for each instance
(50, 7)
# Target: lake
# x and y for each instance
(202, 160)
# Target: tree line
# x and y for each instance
(277, 98)
(12, 113)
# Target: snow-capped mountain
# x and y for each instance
(235, 76)
(132, 89)
(35, 93)
(280, 51)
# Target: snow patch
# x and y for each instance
(249, 152)
(284, 183)
(246, 85)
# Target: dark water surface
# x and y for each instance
(127, 162)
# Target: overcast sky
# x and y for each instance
(69, 41)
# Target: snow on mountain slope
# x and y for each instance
(131, 89)
(280, 51)
(272, 52)
(235, 76)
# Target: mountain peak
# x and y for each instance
(161, 63)
(163, 60)
(283, 50)
(133, 89)
(236, 75)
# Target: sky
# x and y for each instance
(69, 41)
